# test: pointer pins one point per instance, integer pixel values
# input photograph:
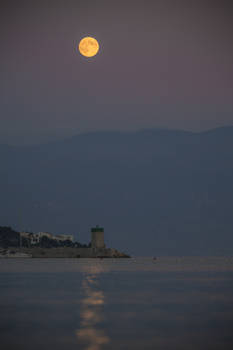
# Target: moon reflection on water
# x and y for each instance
(90, 333)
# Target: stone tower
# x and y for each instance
(97, 237)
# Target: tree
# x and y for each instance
(9, 237)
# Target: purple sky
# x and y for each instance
(161, 64)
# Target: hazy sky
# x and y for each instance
(161, 64)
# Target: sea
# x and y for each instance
(151, 303)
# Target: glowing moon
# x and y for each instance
(88, 46)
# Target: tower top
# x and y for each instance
(97, 229)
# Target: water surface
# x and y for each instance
(93, 304)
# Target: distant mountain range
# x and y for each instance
(156, 192)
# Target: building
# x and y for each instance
(45, 234)
(25, 234)
(96, 250)
(64, 238)
(97, 238)
(33, 238)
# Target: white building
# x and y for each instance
(25, 234)
(33, 238)
(46, 234)
(64, 238)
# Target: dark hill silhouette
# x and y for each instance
(155, 191)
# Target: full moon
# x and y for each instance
(88, 46)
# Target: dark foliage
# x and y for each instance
(9, 237)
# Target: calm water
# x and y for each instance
(171, 303)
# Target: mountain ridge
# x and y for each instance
(158, 191)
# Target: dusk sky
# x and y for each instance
(162, 64)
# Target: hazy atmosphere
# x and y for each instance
(103, 155)
(161, 64)
(116, 175)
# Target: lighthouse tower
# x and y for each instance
(97, 237)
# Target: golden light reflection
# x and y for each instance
(90, 333)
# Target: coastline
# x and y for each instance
(61, 252)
